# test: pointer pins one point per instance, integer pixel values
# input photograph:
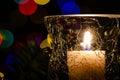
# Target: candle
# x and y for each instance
(86, 64)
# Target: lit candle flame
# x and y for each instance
(86, 41)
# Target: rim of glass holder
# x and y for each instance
(86, 15)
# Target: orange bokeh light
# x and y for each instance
(1, 38)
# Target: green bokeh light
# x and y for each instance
(8, 38)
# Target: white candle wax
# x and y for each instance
(86, 65)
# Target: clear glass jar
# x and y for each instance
(85, 46)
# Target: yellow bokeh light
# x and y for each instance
(41, 2)
(1, 75)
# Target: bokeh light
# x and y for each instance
(10, 61)
(1, 75)
(28, 8)
(8, 38)
(70, 8)
(42, 2)
(1, 38)
(60, 3)
(20, 1)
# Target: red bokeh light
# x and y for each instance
(28, 8)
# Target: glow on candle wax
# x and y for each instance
(86, 65)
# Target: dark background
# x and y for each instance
(11, 18)
(7, 7)
(23, 26)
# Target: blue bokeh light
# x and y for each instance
(60, 3)
(70, 8)
(10, 62)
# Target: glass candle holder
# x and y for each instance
(84, 46)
